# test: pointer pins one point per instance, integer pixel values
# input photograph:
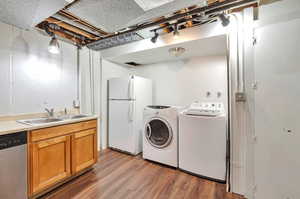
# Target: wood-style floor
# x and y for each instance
(121, 176)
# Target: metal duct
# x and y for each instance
(114, 41)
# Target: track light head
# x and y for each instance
(225, 20)
(154, 38)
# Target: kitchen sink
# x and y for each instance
(78, 116)
(70, 117)
(40, 121)
(37, 121)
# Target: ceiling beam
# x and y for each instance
(71, 4)
(76, 19)
(263, 2)
(68, 36)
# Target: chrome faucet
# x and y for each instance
(50, 112)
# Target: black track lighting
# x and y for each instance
(225, 20)
(154, 38)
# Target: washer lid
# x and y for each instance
(158, 133)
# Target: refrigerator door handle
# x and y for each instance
(131, 111)
(130, 88)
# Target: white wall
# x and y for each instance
(90, 86)
(241, 126)
(182, 82)
(31, 77)
(277, 107)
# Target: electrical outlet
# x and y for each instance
(240, 96)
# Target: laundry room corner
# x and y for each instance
(203, 77)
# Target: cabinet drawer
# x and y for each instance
(46, 133)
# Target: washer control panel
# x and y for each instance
(206, 109)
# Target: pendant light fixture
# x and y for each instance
(54, 46)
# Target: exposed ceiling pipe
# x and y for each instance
(74, 23)
(52, 29)
(198, 19)
(72, 28)
(210, 9)
(76, 19)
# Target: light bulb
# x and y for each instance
(54, 46)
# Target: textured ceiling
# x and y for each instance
(27, 13)
(113, 15)
(214, 46)
(109, 15)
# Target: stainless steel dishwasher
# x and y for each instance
(13, 166)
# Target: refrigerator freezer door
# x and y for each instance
(121, 88)
(121, 125)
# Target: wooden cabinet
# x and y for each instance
(83, 150)
(58, 153)
(50, 162)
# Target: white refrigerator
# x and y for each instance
(127, 98)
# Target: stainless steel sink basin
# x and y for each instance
(40, 121)
(37, 121)
(78, 116)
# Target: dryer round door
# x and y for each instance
(158, 133)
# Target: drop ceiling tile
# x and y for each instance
(110, 15)
(165, 10)
(28, 13)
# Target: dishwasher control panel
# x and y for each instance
(12, 140)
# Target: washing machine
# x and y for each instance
(203, 140)
(161, 134)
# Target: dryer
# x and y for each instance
(160, 135)
(203, 140)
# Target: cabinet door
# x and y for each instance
(50, 162)
(84, 149)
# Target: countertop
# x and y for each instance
(8, 127)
